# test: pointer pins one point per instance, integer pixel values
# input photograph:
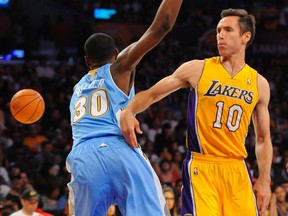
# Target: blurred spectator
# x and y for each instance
(62, 202)
(27, 184)
(170, 118)
(178, 188)
(5, 142)
(29, 202)
(47, 154)
(165, 139)
(276, 155)
(177, 159)
(165, 154)
(16, 189)
(284, 185)
(34, 138)
(49, 177)
(150, 153)
(165, 172)
(50, 199)
(8, 207)
(278, 205)
(171, 200)
(4, 175)
(154, 129)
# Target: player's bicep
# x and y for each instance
(260, 116)
(261, 122)
(165, 87)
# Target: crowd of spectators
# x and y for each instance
(33, 156)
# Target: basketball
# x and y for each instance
(27, 106)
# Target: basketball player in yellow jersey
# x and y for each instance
(225, 94)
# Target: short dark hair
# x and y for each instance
(246, 21)
(99, 47)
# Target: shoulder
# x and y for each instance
(191, 67)
(263, 85)
(191, 71)
(262, 81)
(193, 63)
(263, 89)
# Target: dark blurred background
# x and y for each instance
(41, 47)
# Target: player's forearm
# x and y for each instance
(140, 102)
(144, 99)
(264, 158)
(167, 14)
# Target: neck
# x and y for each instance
(98, 64)
(232, 66)
(95, 66)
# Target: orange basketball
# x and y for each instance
(27, 106)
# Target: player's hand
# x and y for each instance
(263, 195)
(129, 124)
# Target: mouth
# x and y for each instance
(221, 45)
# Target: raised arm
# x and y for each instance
(123, 68)
(263, 148)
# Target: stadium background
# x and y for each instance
(41, 47)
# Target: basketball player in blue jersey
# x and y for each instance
(105, 170)
(225, 94)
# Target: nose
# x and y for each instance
(220, 34)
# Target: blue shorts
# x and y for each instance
(107, 171)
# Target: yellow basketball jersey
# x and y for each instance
(220, 109)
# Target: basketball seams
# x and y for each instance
(27, 104)
(39, 101)
(19, 96)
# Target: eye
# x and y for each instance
(229, 29)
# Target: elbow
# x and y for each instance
(167, 25)
(163, 29)
(260, 140)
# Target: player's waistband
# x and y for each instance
(215, 159)
(112, 140)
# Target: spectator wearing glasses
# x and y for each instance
(171, 200)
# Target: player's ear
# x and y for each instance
(116, 53)
(246, 36)
(87, 61)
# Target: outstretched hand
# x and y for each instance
(263, 195)
(129, 125)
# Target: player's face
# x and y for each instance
(229, 39)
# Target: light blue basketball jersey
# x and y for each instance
(104, 169)
(96, 104)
